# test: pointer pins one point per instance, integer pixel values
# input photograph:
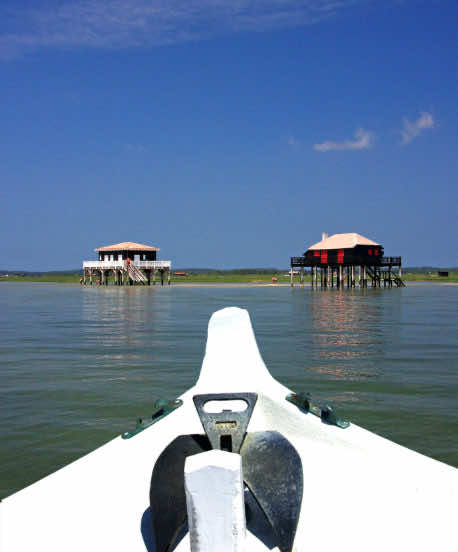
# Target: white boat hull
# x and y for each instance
(360, 492)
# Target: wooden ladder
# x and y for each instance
(135, 273)
(397, 280)
(376, 276)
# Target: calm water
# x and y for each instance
(78, 365)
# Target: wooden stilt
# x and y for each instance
(168, 277)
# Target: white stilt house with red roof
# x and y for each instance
(127, 263)
(348, 257)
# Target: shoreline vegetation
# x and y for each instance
(237, 276)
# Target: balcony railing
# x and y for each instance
(121, 264)
(349, 259)
(390, 260)
(299, 261)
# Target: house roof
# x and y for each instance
(127, 246)
(343, 241)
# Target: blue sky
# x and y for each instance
(229, 134)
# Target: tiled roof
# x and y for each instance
(343, 241)
(127, 246)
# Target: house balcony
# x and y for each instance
(350, 259)
(120, 265)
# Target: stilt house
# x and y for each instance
(127, 263)
(349, 257)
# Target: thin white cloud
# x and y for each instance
(412, 130)
(139, 148)
(363, 140)
(120, 24)
(293, 142)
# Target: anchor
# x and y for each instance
(272, 474)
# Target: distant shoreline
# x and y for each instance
(215, 285)
(245, 277)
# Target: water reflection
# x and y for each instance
(349, 333)
(124, 323)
